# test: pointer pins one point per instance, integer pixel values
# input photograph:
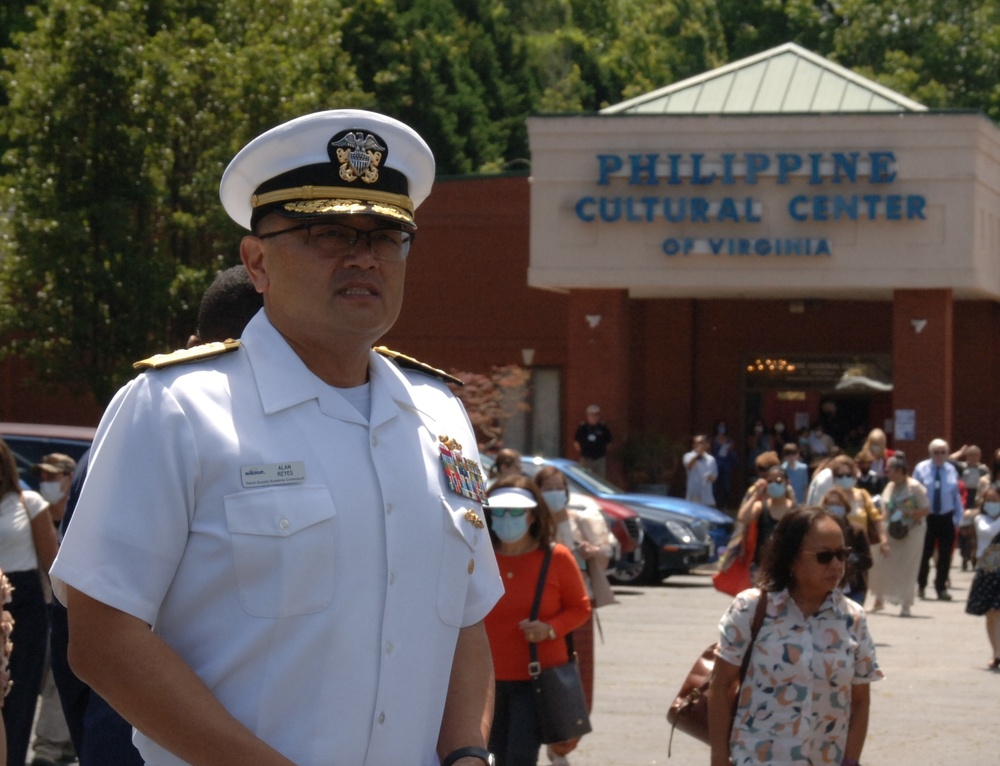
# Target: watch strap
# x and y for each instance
(469, 752)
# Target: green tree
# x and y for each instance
(941, 53)
(452, 70)
(122, 117)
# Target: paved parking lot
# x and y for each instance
(937, 705)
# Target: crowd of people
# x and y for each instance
(901, 519)
(809, 550)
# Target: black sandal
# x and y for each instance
(995, 665)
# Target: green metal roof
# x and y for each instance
(786, 79)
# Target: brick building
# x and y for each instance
(748, 243)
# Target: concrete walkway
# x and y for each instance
(938, 704)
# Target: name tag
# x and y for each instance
(275, 473)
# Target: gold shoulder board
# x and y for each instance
(182, 355)
(409, 363)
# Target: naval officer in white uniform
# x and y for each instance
(279, 554)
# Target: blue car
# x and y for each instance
(679, 535)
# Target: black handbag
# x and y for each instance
(898, 529)
(560, 705)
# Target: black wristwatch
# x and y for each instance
(465, 752)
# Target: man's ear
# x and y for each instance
(252, 255)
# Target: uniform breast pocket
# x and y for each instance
(457, 560)
(283, 542)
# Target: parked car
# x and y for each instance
(678, 535)
(623, 522)
(31, 441)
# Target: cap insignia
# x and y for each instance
(359, 155)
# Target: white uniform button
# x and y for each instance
(388, 647)
(283, 523)
(381, 717)
(374, 441)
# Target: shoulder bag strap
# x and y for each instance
(534, 668)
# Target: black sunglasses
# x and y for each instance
(825, 557)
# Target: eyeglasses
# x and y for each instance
(841, 475)
(507, 511)
(825, 557)
(336, 241)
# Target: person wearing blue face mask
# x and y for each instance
(838, 503)
(581, 528)
(771, 504)
(522, 529)
(984, 595)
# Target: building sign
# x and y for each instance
(700, 192)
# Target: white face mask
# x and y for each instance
(992, 508)
(52, 491)
(845, 482)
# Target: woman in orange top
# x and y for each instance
(522, 529)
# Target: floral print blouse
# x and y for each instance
(795, 702)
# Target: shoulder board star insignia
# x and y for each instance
(409, 363)
(183, 355)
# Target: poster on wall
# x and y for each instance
(905, 427)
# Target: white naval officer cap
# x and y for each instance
(337, 162)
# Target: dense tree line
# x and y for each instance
(117, 118)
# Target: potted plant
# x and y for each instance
(650, 459)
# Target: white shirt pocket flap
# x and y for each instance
(278, 511)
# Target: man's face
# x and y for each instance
(593, 417)
(312, 298)
(939, 454)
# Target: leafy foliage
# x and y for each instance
(117, 118)
(493, 399)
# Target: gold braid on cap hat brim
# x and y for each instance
(303, 193)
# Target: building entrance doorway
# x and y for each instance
(793, 395)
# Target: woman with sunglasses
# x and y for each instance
(893, 576)
(805, 697)
(522, 529)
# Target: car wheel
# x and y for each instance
(643, 572)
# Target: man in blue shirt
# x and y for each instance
(945, 499)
